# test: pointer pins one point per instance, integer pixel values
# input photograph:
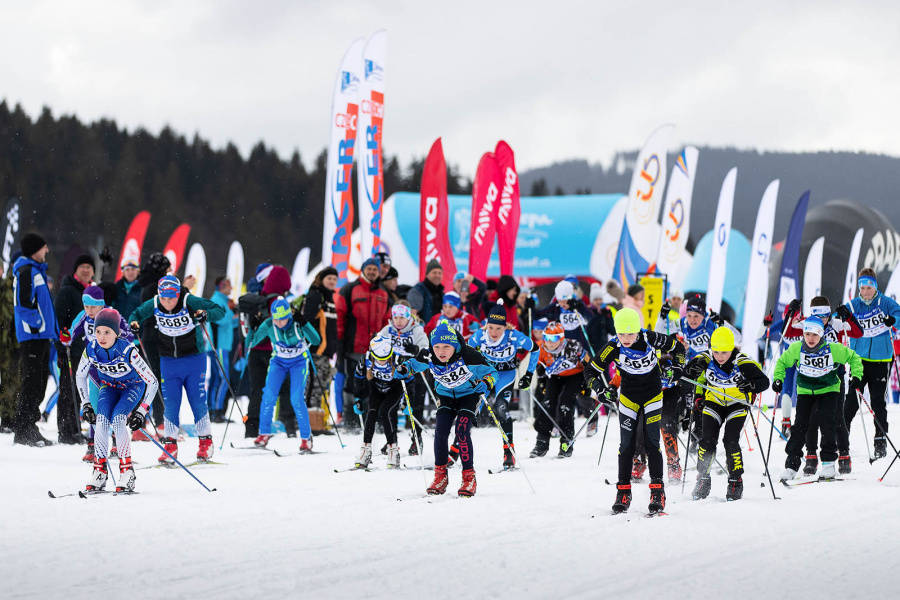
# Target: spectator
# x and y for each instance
(128, 290)
(362, 310)
(67, 306)
(425, 297)
(384, 264)
(507, 293)
(10, 382)
(472, 300)
(634, 298)
(35, 327)
(223, 339)
(389, 283)
(319, 310)
(596, 297)
(615, 290)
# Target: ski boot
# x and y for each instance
(844, 465)
(205, 450)
(98, 476)
(467, 489)
(439, 485)
(592, 428)
(828, 473)
(89, 453)
(701, 490)
(541, 446)
(637, 470)
(365, 456)
(306, 445)
(674, 471)
(393, 461)
(171, 446)
(262, 440)
(735, 489)
(126, 476)
(812, 464)
(786, 426)
(509, 461)
(453, 456)
(657, 496)
(565, 450)
(384, 449)
(880, 448)
(413, 448)
(788, 474)
(623, 498)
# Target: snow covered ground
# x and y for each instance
(291, 527)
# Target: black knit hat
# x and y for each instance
(31, 243)
(696, 304)
(83, 259)
(432, 265)
(497, 316)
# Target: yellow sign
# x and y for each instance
(654, 297)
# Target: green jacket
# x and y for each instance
(821, 384)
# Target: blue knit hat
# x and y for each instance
(93, 296)
(814, 324)
(497, 316)
(444, 334)
(280, 309)
(453, 299)
(168, 287)
(108, 317)
(370, 262)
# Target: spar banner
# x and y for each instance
(639, 238)
(369, 169)
(134, 241)
(434, 216)
(676, 223)
(234, 268)
(195, 265)
(789, 278)
(715, 285)
(510, 209)
(300, 272)
(758, 275)
(174, 248)
(338, 224)
(485, 200)
(9, 225)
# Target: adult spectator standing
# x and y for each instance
(473, 300)
(223, 340)
(35, 327)
(389, 283)
(319, 310)
(128, 290)
(155, 268)
(426, 297)
(10, 366)
(67, 305)
(507, 294)
(362, 311)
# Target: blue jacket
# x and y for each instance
(502, 353)
(32, 305)
(875, 345)
(224, 328)
(463, 375)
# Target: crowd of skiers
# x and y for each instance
(125, 353)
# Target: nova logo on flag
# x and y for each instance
(484, 215)
(650, 173)
(349, 82)
(374, 71)
(506, 199)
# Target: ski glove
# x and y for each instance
(664, 311)
(135, 326)
(529, 302)
(136, 420)
(695, 368)
(357, 406)
(777, 386)
(410, 348)
(298, 319)
(598, 385)
(675, 373)
(794, 306)
(843, 313)
(744, 386)
(716, 318)
(403, 371)
(525, 381)
(201, 316)
(767, 320)
(855, 384)
(88, 415)
(105, 256)
(888, 320)
(65, 338)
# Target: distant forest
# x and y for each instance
(82, 184)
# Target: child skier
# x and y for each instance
(377, 380)
(83, 327)
(818, 384)
(127, 386)
(291, 337)
(562, 360)
(876, 315)
(452, 313)
(730, 374)
(461, 376)
(500, 344)
(634, 351)
(176, 313)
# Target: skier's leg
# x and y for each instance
(652, 416)
(628, 423)
(195, 385)
(299, 375)
(171, 384)
(274, 380)
(794, 448)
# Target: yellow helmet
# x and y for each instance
(627, 320)
(722, 340)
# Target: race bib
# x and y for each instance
(89, 334)
(637, 363)
(569, 320)
(816, 364)
(698, 341)
(453, 376)
(174, 325)
(116, 369)
(872, 323)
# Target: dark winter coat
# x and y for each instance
(68, 301)
(319, 309)
(278, 283)
(426, 299)
(128, 297)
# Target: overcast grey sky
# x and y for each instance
(557, 80)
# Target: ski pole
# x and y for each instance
(889, 467)
(188, 471)
(246, 357)
(862, 419)
(787, 323)
(728, 398)
(147, 359)
(224, 374)
(877, 425)
(565, 445)
(315, 371)
(508, 443)
(72, 384)
(687, 448)
(413, 424)
(605, 431)
(552, 420)
(765, 462)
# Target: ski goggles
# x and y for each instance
(868, 281)
(553, 337)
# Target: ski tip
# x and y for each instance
(49, 493)
(213, 490)
(762, 484)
